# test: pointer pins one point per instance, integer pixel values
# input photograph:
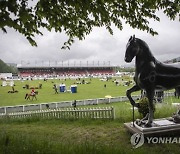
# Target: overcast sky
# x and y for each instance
(98, 46)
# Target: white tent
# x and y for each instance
(118, 73)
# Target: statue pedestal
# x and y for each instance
(159, 127)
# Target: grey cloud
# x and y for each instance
(98, 46)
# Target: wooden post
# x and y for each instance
(5, 110)
(109, 101)
(106, 113)
(113, 113)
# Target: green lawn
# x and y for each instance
(79, 136)
(37, 136)
(46, 94)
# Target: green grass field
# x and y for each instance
(46, 94)
(79, 136)
(37, 136)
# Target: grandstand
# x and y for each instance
(54, 69)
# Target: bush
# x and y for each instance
(144, 106)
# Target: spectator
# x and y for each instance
(177, 92)
(55, 89)
(13, 89)
(47, 106)
(74, 104)
(40, 85)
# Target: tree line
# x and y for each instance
(4, 68)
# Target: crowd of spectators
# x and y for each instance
(65, 72)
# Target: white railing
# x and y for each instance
(56, 105)
(64, 113)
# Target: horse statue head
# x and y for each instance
(132, 49)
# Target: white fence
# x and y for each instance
(64, 104)
(66, 113)
(56, 105)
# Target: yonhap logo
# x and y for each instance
(137, 140)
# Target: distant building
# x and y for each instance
(65, 69)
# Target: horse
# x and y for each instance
(28, 95)
(150, 74)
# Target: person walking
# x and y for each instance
(55, 89)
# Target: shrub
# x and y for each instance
(144, 106)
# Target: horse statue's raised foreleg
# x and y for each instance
(128, 94)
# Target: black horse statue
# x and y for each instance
(150, 74)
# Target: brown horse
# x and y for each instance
(27, 96)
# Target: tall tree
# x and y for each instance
(78, 17)
(4, 68)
